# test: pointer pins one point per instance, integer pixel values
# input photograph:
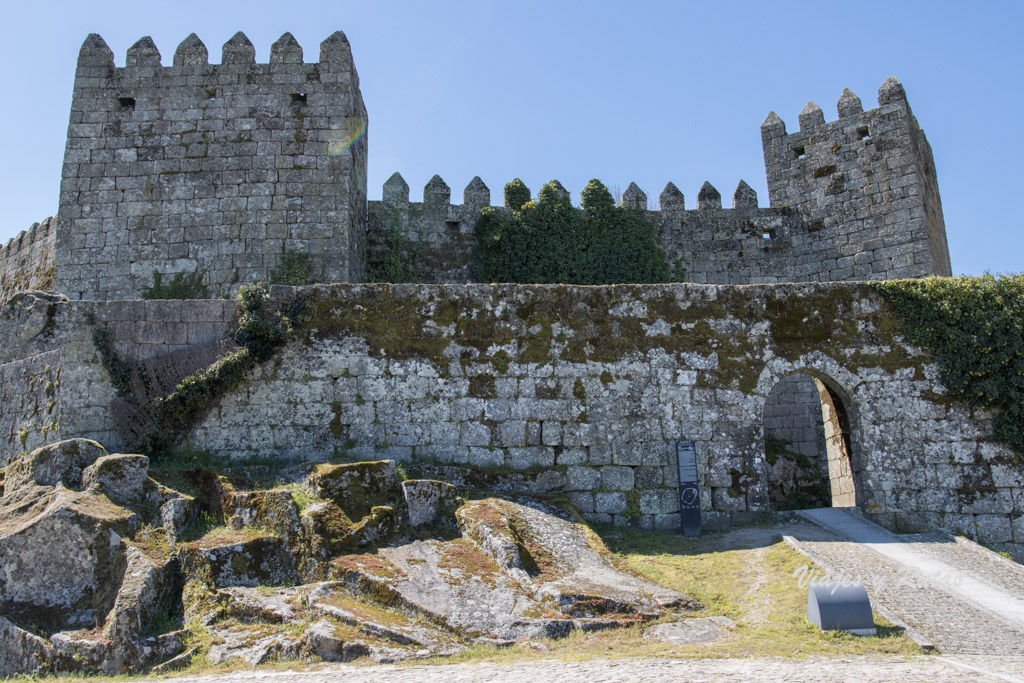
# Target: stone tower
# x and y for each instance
(216, 169)
(865, 183)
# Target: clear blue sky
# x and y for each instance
(643, 91)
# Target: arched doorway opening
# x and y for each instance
(807, 445)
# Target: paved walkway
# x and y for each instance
(948, 592)
(876, 669)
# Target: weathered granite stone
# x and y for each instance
(425, 499)
(21, 652)
(77, 537)
(121, 477)
(239, 558)
(59, 463)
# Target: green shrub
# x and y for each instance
(975, 328)
(294, 268)
(551, 241)
(516, 194)
(181, 286)
(391, 259)
(260, 334)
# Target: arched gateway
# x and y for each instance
(808, 443)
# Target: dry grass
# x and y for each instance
(745, 574)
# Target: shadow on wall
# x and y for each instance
(807, 437)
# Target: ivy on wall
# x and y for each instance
(392, 259)
(551, 241)
(181, 286)
(975, 328)
(261, 332)
(294, 268)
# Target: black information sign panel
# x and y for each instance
(689, 493)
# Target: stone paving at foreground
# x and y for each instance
(948, 592)
(870, 669)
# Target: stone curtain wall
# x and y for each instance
(865, 183)
(26, 261)
(707, 245)
(585, 389)
(29, 415)
(212, 168)
(140, 330)
(575, 389)
(434, 237)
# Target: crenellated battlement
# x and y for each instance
(710, 244)
(237, 54)
(869, 176)
(232, 169)
(26, 260)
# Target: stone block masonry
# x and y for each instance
(29, 414)
(220, 169)
(866, 183)
(585, 390)
(26, 261)
(854, 199)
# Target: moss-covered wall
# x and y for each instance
(585, 389)
(575, 389)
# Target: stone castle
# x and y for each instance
(784, 370)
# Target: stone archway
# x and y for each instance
(807, 438)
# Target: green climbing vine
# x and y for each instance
(119, 369)
(551, 241)
(294, 268)
(261, 332)
(181, 286)
(391, 260)
(975, 328)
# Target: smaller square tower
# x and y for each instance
(865, 183)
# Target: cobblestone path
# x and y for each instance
(874, 669)
(950, 593)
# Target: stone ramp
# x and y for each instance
(949, 593)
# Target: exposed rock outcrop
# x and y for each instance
(321, 561)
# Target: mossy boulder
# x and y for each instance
(382, 521)
(62, 556)
(56, 463)
(325, 526)
(356, 487)
(427, 500)
(326, 640)
(229, 557)
(543, 547)
(121, 477)
(273, 510)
